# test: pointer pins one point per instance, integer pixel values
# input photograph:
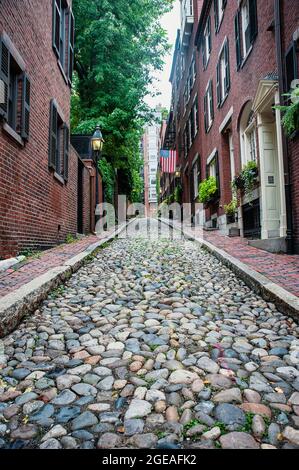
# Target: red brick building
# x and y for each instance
(287, 12)
(224, 118)
(39, 169)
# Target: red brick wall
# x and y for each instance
(33, 203)
(290, 23)
(244, 83)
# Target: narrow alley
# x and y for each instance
(153, 344)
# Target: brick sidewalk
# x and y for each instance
(25, 272)
(279, 268)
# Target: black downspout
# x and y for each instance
(288, 188)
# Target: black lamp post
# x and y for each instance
(97, 143)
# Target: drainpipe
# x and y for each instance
(278, 41)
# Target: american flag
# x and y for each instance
(168, 161)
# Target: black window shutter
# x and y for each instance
(216, 15)
(204, 59)
(218, 84)
(56, 25)
(66, 151)
(4, 77)
(209, 34)
(71, 45)
(227, 67)
(253, 20)
(207, 171)
(211, 100)
(25, 116)
(217, 173)
(238, 40)
(53, 136)
(206, 111)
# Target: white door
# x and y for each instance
(270, 180)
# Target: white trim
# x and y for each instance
(222, 47)
(225, 120)
(211, 156)
(195, 159)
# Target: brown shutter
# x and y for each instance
(53, 136)
(56, 25)
(4, 77)
(71, 44)
(66, 151)
(25, 117)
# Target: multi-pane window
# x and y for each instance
(291, 66)
(196, 178)
(219, 6)
(194, 119)
(63, 36)
(59, 143)
(223, 75)
(15, 102)
(208, 106)
(252, 144)
(213, 170)
(207, 43)
(246, 29)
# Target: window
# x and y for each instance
(219, 6)
(63, 36)
(207, 44)
(196, 178)
(223, 75)
(213, 170)
(194, 119)
(291, 66)
(246, 29)
(248, 135)
(208, 107)
(15, 105)
(59, 143)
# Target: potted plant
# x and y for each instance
(230, 211)
(247, 179)
(290, 120)
(208, 190)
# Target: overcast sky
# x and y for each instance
(171, 22)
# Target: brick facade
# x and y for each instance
(290, 32)
(37, 209)
(251, 89)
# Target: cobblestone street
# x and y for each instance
(153, 344)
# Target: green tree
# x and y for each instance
(119, 44)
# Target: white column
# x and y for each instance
(283, 217)
(263, 204)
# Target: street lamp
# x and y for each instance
(97, 140)
(97, 143)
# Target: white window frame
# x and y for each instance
(209, 99)
(206, 36)
(244, 17)
(220, 12)
(247, 138)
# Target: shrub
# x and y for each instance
(207, 189)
